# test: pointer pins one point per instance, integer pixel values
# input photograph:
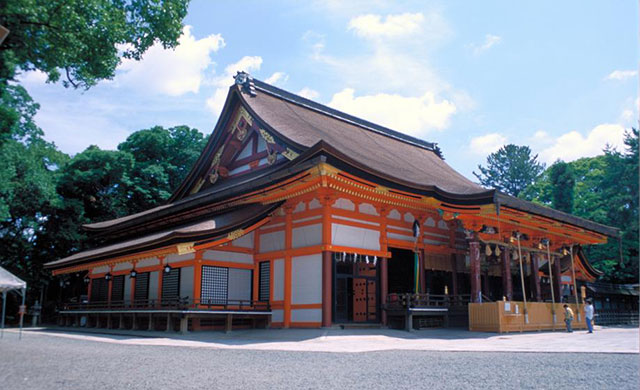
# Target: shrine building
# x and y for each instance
(299, 215)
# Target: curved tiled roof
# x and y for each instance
(385, 151)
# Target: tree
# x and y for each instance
(511, 169)
(163, 157)
(562, 182)
(605, 191)
(84, 39)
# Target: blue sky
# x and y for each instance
(560, 77)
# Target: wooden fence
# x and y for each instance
(504, 317)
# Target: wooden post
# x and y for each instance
(485, 283)
(89, 288)
(228, 324)
(288, 238)
(535, 277)
(197, 279)
(184, 324)
(384, 287)
(327, 298)
(327, 262)
(507, 284)
(474, 258)
(454, 275)
(557, 278)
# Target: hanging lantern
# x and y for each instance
(487, 250)
(515, 255)
(367, 259)
(375, 260)
(498, 251)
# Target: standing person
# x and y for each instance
(568, 317)
(588, 315)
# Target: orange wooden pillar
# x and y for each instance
(474, 259)
(288, 237)
(535, 278)
(422, 271)
(557, 279)
(89, 288)
(507, 283)
(327, 262)
(454, 275)
(327, 286)
(384, 287)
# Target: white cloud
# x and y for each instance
(573, 145)
(277, 78)
(172, 72)
(309, 93)
(247, 63)
(490, 40)
(411, 115)
(371, 26)
(621, 75)
(34, 77)
(487, 144)
(627, 116)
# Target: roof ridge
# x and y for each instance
(326, 110)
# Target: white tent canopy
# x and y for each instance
(8, 282)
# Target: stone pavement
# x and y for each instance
(603, 340)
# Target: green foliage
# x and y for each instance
(562, 184)
(28, 178)
(605, 191)
(17, 110)
(84, 39)
(163, 158)
(511, 169)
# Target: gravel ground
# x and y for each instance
(45, 362)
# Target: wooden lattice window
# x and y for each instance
(214, 286)
(264, 281)
(141, 289)
(117, 288)
(99, 290)
(171, 284)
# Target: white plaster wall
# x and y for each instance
(307, 236)
(232, 257)
(306, 279)
(127, 287)
(278, 280)
(176, 257)
(277, 315)
(300, 207)
(314, 204)
(306, 315)
(245, 241)
(394, 214)
(408, 217)
(402, 237)
(345, 204)
(443, 225)
(367, 208)
(430, 222)
(122, 266)
(186, 282)
(357, 237)
(100, 270)
(148, 262)
(273, 241)
(239, 284)
(153, 285)
(362, 221)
